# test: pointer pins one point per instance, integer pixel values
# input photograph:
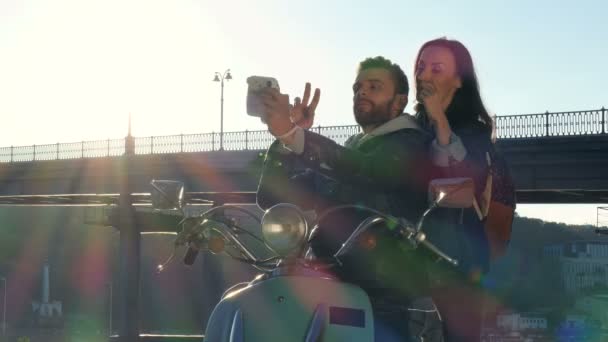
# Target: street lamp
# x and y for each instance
(4, 308)
(220, 78)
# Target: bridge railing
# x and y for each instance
(575, 123)
(587, 122)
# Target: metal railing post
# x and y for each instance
(603, 120)
(12, 148)
(494, 128)
(547, 123)
(34, 157)
(108, 147)
(151, 144)
(130, 250)
(212, 141)
(57, 152)
(82, 149)
(246, 139)
(181, 142)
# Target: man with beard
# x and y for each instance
(385, 168)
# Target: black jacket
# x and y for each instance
(388, 172)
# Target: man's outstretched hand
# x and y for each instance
(280, 116)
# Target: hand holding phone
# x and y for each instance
(256, 84)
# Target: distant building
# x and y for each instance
(517, 327)
(521, 321)
(584, 264)
(574, 321)
(554, 250)
(580, 327)
(595, 307)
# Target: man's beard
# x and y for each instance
(377, 115)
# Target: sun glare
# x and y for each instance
(90, 64)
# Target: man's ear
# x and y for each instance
(399, 103)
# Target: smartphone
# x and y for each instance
(255, 85)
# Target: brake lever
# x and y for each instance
(190, 256)
(417, 237)
(437, 251)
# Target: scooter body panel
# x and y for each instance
(293, 308)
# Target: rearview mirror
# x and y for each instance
(167, 194)
(452, 192)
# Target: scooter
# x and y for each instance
(297, 296)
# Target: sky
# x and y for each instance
(73, 70)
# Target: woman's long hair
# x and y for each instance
(466, 106)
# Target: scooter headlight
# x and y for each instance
(284, 229)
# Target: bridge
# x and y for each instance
(555, 158)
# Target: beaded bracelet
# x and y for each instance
(290, 132)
